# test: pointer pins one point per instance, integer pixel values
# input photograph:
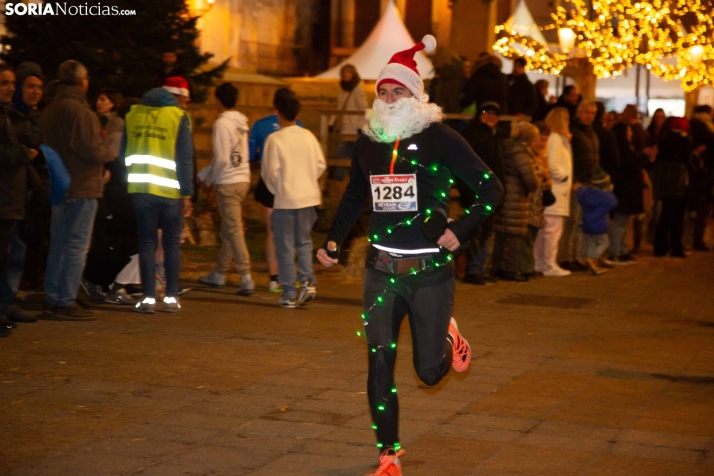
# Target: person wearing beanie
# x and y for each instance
(25, 120)
(669, 182)
(351, 98)
(487, 83)
(596, 201)
(404, 162)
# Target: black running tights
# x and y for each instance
(428, 299)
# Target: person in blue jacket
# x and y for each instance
(596, 201)
(258, 134)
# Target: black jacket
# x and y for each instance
(521, 95)
(670, 174)
(629, 184)
(438, 152)
(586, 151)
(542, 107)
(14, 157)
(609, 151)
(487, 83)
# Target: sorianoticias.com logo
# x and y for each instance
(61, 8)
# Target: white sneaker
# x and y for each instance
(307, 293)
(286, 303)
(555, 271)
(274, 287)
(215, 280)
(538, 266)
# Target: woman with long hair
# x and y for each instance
(560, 165)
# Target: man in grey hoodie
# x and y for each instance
(230, 172)
(158, 152)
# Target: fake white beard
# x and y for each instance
(399, 120)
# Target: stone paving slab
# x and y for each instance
(623, 385)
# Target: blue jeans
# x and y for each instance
(152, 213)
(291, 231)
(595, 245)
(12, 274)
(618, 234)
(70, 237)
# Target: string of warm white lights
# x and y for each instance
(672, 38)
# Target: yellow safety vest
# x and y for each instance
(151, 150)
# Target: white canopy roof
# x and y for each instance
(522, 22)
(388, 37)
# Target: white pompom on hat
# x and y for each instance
(402, 68)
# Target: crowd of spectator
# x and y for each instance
(580, 181)
(96, 199)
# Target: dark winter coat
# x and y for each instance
(521, 95)
(14, 157)
(487, 144)
(542, 107)
(597, 205)
(586, 151)
(520, 179)
(71, 128)
(669, 174)
(629, 183)
(487, 83)
(702, 170)
(609, 151)
(561, 102)
(640, 137)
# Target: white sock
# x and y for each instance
(247, 278)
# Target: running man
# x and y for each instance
(404, 162)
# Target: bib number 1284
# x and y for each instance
(394, 193)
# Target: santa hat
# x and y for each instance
(177, 85)
(402, 69)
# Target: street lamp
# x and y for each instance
(566, 37)
(696, 53)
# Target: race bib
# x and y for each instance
(394, 193)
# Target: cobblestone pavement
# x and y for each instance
(607, 375)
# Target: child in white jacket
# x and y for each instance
(292, 164)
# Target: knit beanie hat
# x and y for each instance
(600, 178)
(177, 85)
(402, 68)
(28, 68)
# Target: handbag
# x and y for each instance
(548, 198)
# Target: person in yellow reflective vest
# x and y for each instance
(158, 152)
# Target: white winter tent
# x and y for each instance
(388, 37)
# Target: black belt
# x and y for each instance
(398, 266)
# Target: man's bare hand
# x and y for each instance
(34, 153)
(324, 258)
(186, 207)
(449, 241)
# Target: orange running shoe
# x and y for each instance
(462, 350)
(389, 464)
